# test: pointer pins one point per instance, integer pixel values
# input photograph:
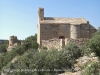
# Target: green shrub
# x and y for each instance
(44, 48)
(94, 43)
(73, 50)
(31, 42)
(92, 69)
(3, 48)
(85, 49)
(35, 45)
(50, 60)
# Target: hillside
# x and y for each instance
(70, 60)
(3, 41)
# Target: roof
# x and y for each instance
(55, 20)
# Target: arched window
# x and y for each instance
(61, 37)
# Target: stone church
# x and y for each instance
(57, 31)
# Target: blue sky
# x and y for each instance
(19, 17)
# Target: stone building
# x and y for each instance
(13, 42)
(57, 31)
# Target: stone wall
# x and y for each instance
(58, 43)
(75, 31)
(54, 31)
(84, 32)
(68, 31)
(52, 43)
(79, 41)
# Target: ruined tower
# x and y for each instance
(12, 40)
(13, 43)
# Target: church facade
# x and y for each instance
(57, 31)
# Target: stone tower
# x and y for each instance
(40, 18)
(12, 40)
(13, 43)
(41, 14)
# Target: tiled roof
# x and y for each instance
(53, 20)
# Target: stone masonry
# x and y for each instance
(55, 31)
(13, 42)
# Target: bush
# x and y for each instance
(3, 48)
(31, 42)
(44, 60)
(94, 43)
(44, 48)
(35, 45)
(92, 69)
(73, 50)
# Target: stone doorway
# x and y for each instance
(62, 40)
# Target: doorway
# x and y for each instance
(62, 39)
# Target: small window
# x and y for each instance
(45, 28)
(57, 29)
